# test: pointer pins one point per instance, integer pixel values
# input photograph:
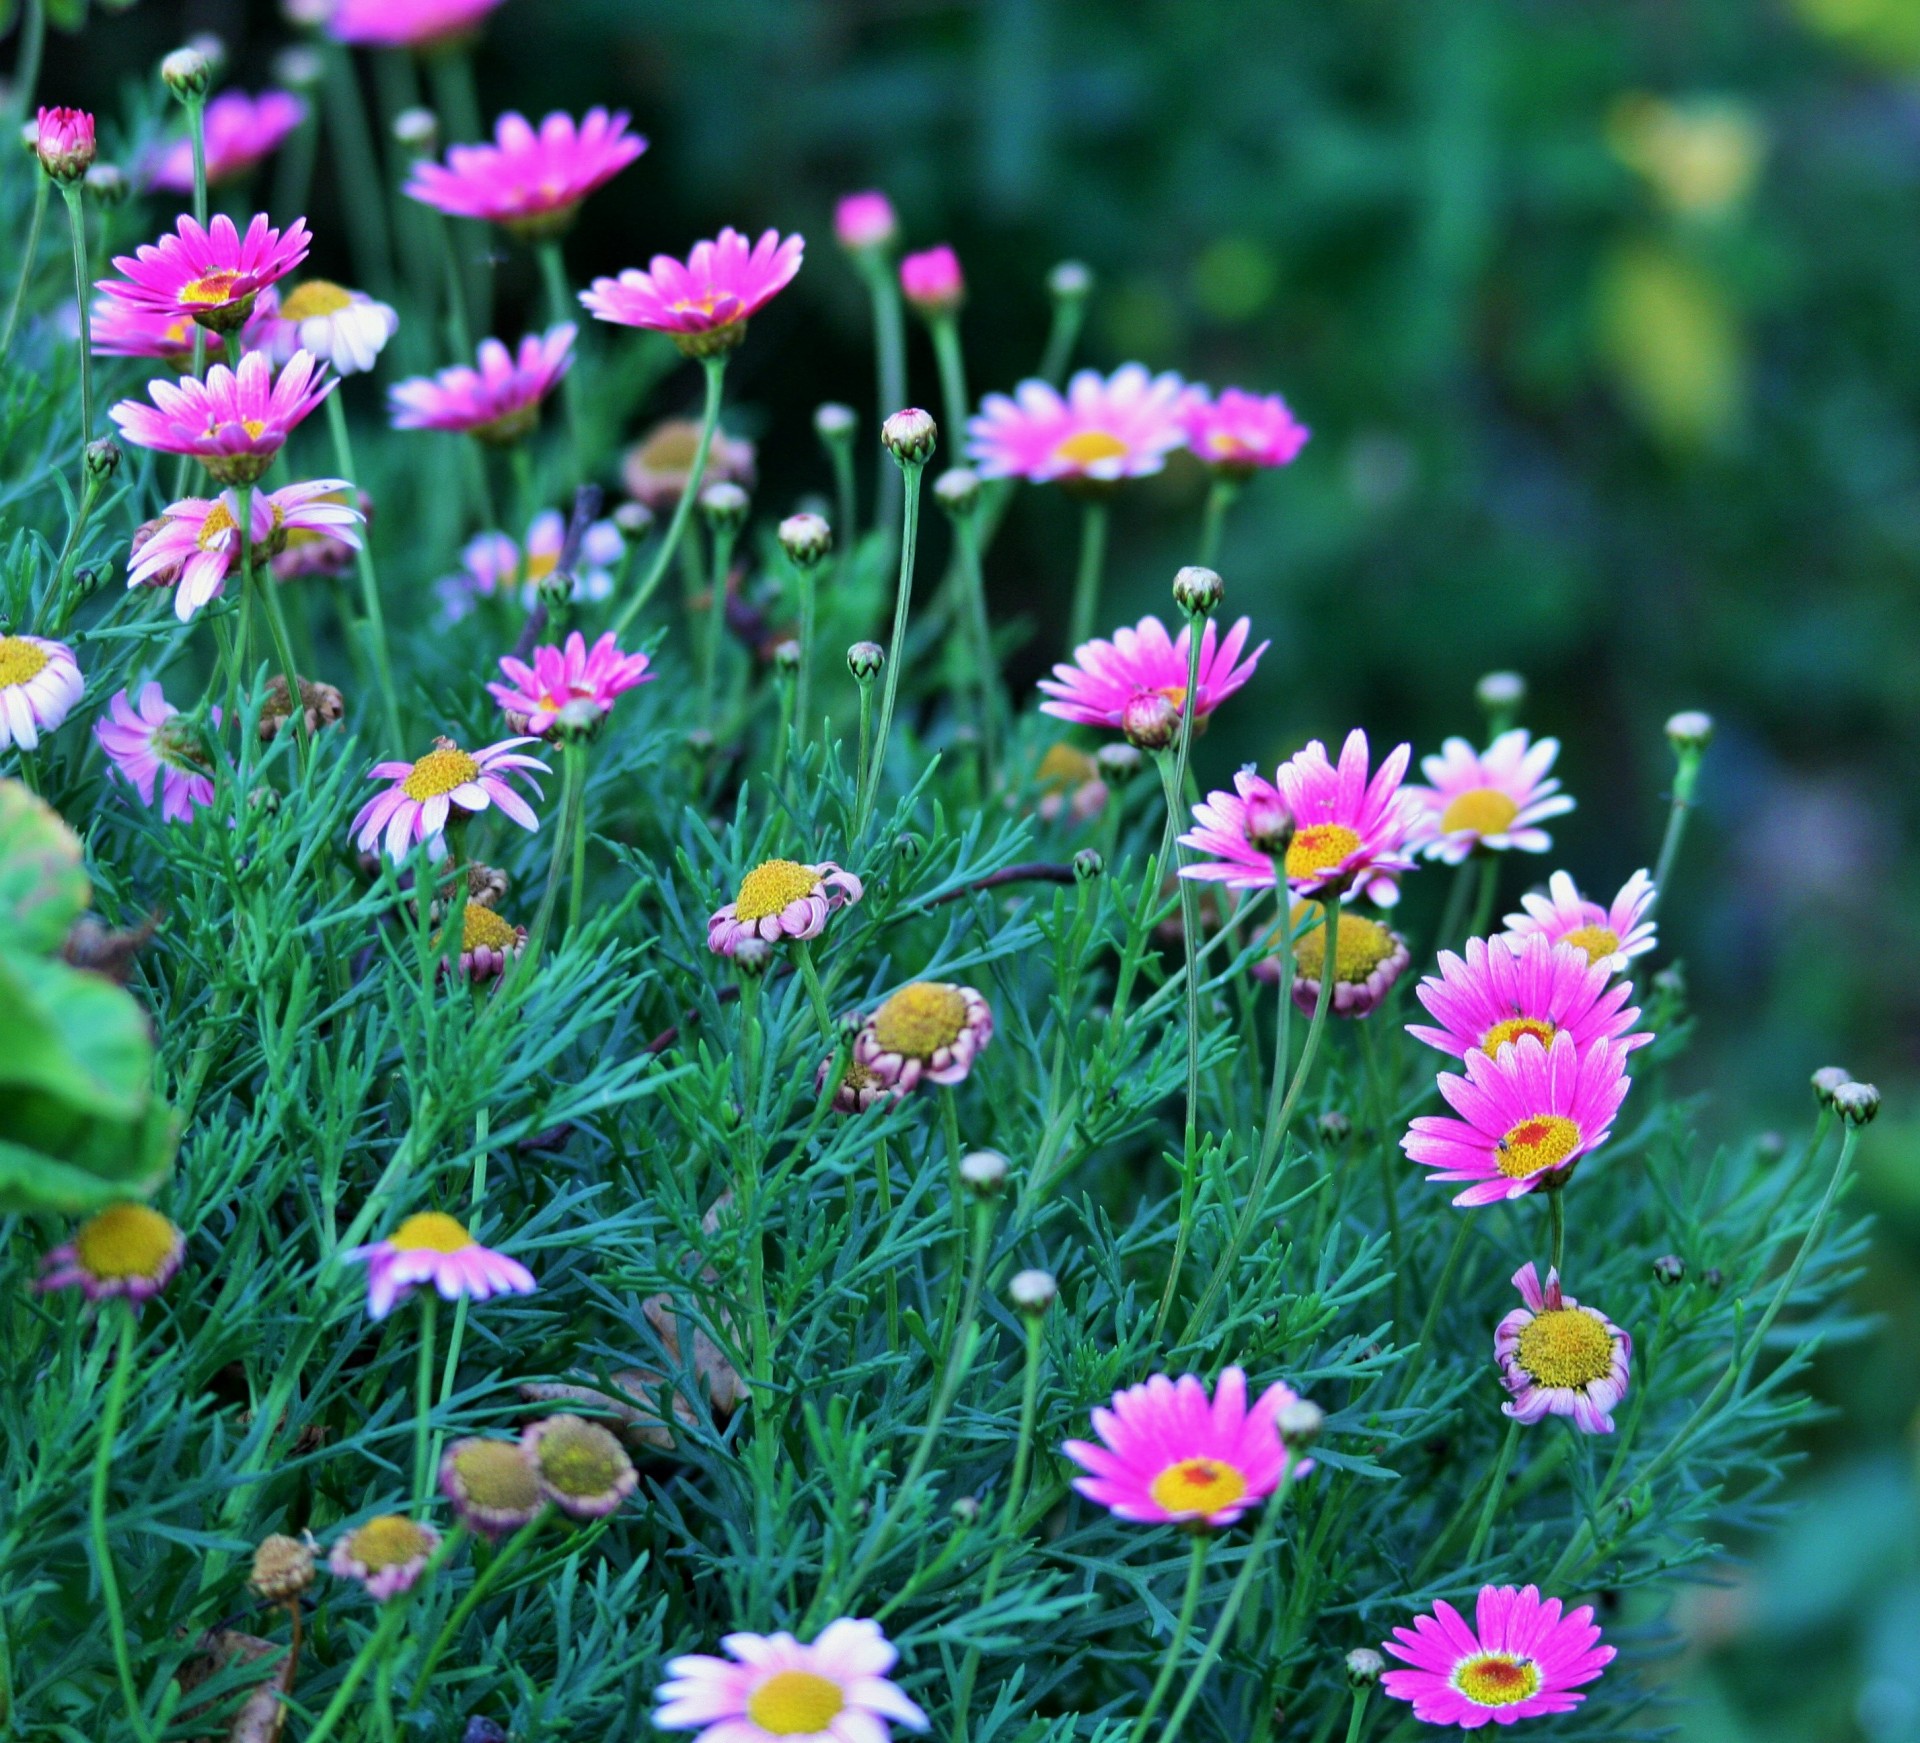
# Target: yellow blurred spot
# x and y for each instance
(1674, 341)
(1700, 155)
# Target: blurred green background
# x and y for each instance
(1605, 321)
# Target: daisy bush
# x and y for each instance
(607, 1131)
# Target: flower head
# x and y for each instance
(386, 1554)
(491, 1484)
(210, 275)
(314, 550)
(1368, 959)
(657, 469)
(857, 1090)
(196, 548)
(406, 23)
(1172, 1456)
(346, 328)
(39, 684)
(1611, 936)
(500, 401)
(705, 302)
(1070, 783)
(64, 142)
(1241, 433)
(865, 220)
(1521, 1659)
(235, 421)
(425, 794)
(1527, 1115)
(154, 743)
(530, 183)
(488, 942)
(1558, 1358)
(928, 1030)
(432, 1247)
(1144, 660)
(772, 1689)
(533, 696)
(580, 1467)
(1493, 799)
(126, 1249)
(1501, 990)
(491, 563)
(240, 132)
(932, 281)
(123, 330)
(1348, 831)
(1104, 429)
(781, 898)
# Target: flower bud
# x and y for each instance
(299, 68)
(1032, 1292)
(932, 281)
(752, 957)
(1828, 1079)
(634, 519)
(865, 220)
(1149, 721)
(418, 130)
(1770, 1146)
(1669, 1269)
(724, 507)
(834, 422)
(63, 141)
(282, 1567)
(1335, 1127)
(1690, 730)
(1712, 1278)
(806, 538)
(107, 182)
(1364, 1667)
(1856, 1103)
(187, 73)
(786, 657)
(1118, 761)
(908, 846)
(1198, 591)
(1088, 864)
(910, 436)
(1500, 692)
(103, 458)
(864, 660)
(1269, 824)
(320, 705)
(1300, 1423)
(957, 490)
(1070, 281)
(308, 14)
(482, 1730)
(555, 590)
(984, 1172)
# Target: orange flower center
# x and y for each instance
(1496, 1680)
(21, 660)
(438, 773)
(318, 296)
(1199, 1486)
(1545, 1141)
(795, 1703)
(431, 1231)
(1599, 942)
(211, 291)
(1320, 847)
(772, 887)
(920, 1019)
(1565, 1346)
(1512, 1029)
(1482, 811)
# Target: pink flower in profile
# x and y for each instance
(154, 743)
(304, 552)
(211, 276)
(1494, 799)
(386, 1555)
(235, 421)
(120, 330)
(865, 220)
(1241, 433)
(491, 563)
(928, 1031)
(781, 898)
(488, 942)
(571, 676)
(432, 1247)
(1558, 1358)
(1611, 936)
(705, 302)
(346, 328)
(500, 401)
(126, 1249)
(424, 795)
(1172, 1456)
(197, 547)
(932, 281)
(241, 131)
(406, 23)
(1369, 960)
(530, 183)
(39, 684)
(1502, 990)
(1526, 1116)
(64, 142)
(1106, 675)
(1105, 428)
(1524, 1658)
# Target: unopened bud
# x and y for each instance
(308, 13)
(1690, 730)
(1828, 1079)
(1669, 1269)
(806, 538)
(1335, 1127)
(933, 282)
(1712, 1278)
(864, 221)
(1070, 281)
(908, 846)
(187, 73)
(282, 1567)
(786, 657)
(1150, 721)
(1364, 1667)
(1770, 1146)
(910, 436)
(983, 1172)
(1500, 692)
(30, 138)
(63, 141)
(299, 68)
(1117, 760)
(555, 589)
(752, 957)
(108, 184)
(834, 422)
(965, 1510)
(1856, 1103)
(418, 130)
(1269, 823)
(1198, 591)
(864, 660)
(957, 490)
(1032, 1292)
(634, 519)
(103, 458)
(1088, 864)
(1300, 1423)
(724, 506)
(481, 1729)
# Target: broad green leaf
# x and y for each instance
(43, 885)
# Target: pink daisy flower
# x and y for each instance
(406, 23)
(530, 183)
(579, 1465)
(154, 743)
(932, 281)
(1241, 433)
(491, 1485)
(424, 795)
(781, 898)
(1502, 990)
(305, 553)
(240, 132)
(929, 1030)
(386, 1555)
(120, 330)
(865, 220)
(1105, 428)
(771, 1689)
(39, 684)
(1493, 799)
(534, 696)
(704, 304)
(1172, 1456)
(488, 942)
(126, 1249)
(1368, 960)
(1527, 1116)
(346, 328)
(235, 421)
(491, 563)
(1611, 936)
(1523, 1658)
(198, 544)
(1558, 1358)
(500, 401)
(211, 276)
(1106, 675)
(432, 1247)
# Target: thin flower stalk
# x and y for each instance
(110, 1414)
(77, 222)
(488, 1577)
(1221, 496)
(1087, 577)
(890, 371)
(553, 270)
(716, 368)
(912, 471)
(376, 619)
(1177, 1641)
(43, 187)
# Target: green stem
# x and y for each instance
(1086, 584)
(967, 538)
(570, 799)
(1358, 1717)
(423, 1403)
(1176, 1644)
(890, 362)
(912, 471)
(1496, 1492)
(357, 167)
(1213, 518)
(379, 1643)
(716, 637)
(42, 189)
(803, 678)
(1483, 906)
(883, 1183)
(369, 582)
(953, 371)
(716, 368)
(577, 883)
(1069, 314)
(97, 1515)
(1431, 1318)
(866, 741)
(553, 269)
(1686, 777)
(810, 973)
(1557, 1221)
(77, 222)
(196, 107)
(484, 1582)
(33, 42)
(1451, 916)
(482, 1121)
(846, 530)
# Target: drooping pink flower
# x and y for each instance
(1369, 959)
(781, 898)
(772, 1689)
(1105, 428)
(1501, 990)
(432, 1247)
(570, 676)
(857, 1090)
(235, 421)
(197, 547)
(154, 743)
(488, 942)
(1106, 675)
(1172, 1456)
(1558, 1358)
(1611, 936)
(126, 1249)
(39, 684)
(1526, 1116)
(490, 1485)
(491, 563)
(928, 1031)
(1241, 433)
(346, 328)
(529, 183)
(705, 302)
(64, 142)
(932, 281)
(579, 1465)
(386, 1555)
(1522, 1659)
(423, 24)
(304, 553)
(211, 276)
(121, 330)
(425, 794)
(865, 220)
(1494, 799)
(500, 401)
(241, 131)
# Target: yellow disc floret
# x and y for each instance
(795, 1703)
(580, 1458)
(318, 296)
(1065, 766)
(208, 292)
(20, 660)
(1200, 1486)
(387, 1540)
(430, 1231)
(1090, 447)
(1512, 1029)
(1565, 1346)
(1496, 1680)
(1599, 942)
(772, 887)
(920, 1019)
(496, 1474)
(1483, 811)
(1320, 847)
(1545, 1141)
(439, 772)
(126, 1240)
(1362, 946)
(482, 929)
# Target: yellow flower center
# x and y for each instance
(540, 564)
(1361, 947)
(1198, 1486)
(1320, 847)
(920, 1019)
(481, 927)
(1065, 766)
(254, 427)
(795, 1703)
(1088, 447)
(580, 1458)
(217, 525)
(1599, 942)
(772, 887)
(20, 660)
(1544, 1141)
(210, 291)
(387, 1541)
(1483, 810)
(495, 1473)
(430, 1231)
(1174, 693)
(318, 296)
(438, 773)
(670, 448)
(700, 305)
(1512, 1029)
(125, 1240)
(1496, 1680)
(1565, 1346)
(1224, 444)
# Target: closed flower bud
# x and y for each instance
(957, 490)
(1032, 1292)
(806, 538)
(865, 220)
(107, 183)
(1500, 692)
(555, 590)
(634, 519)
(1669, 1269)
(1070, 281)
(63, 141)
(1117, 761)
(30, 138)
(1150, 721)
(1364, 1667)
(1856, 1103)
(909, 846)
(834, 422)
(724, 507)
(103, 458)
(1300, 1422)
(321, 704)
(187, 73)
(1828, 1079)
(966, 1510)
(1335, 1127)
(418, 130)
(864, 660)
(1712, 1278)
(1690, 730)
(282, 1567)
(932, 281)
(752, 957)
(1198, 591)
(1088, 864)
(1770, 1146)
(786, 657)
(984, 1172)
(910, 436)
(1269, 825)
